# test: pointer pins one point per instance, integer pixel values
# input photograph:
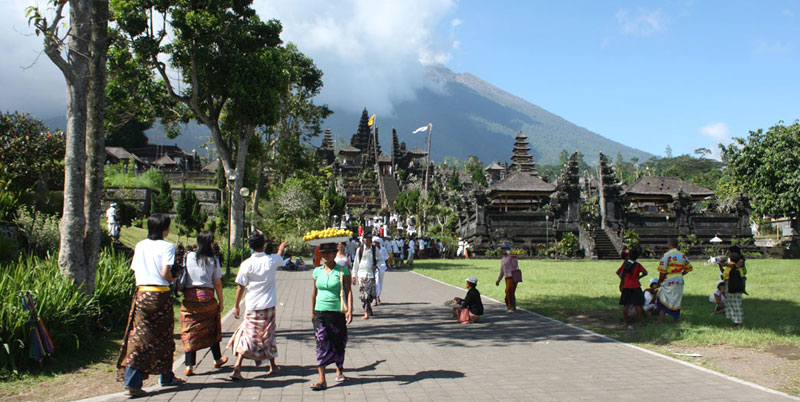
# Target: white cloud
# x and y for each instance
(372, 53)
(719, 133)
(643, 22)
(773, 47)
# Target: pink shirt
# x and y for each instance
(507, 266)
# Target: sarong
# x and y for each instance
(670, 295)
(147, 345)
(733, 307)
(330, 331)
(200, 321)
(366, 292)
(255, 337)
(464, 315)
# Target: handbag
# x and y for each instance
(342, 301)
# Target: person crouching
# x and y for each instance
(470, 308)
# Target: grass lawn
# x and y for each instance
(585, 293)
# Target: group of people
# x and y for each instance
(664, 295)
(147, 347)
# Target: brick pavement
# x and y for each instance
(414, 351)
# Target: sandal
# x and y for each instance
(318, 386)
(236, 376)
(188, 372)
(135, 392)
(340, 378)
(176, 382)
(221, 362)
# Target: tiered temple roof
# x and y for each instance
(522, 161)
(656, 187)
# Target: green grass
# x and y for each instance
(586, 293)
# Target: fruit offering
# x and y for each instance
(324, 234)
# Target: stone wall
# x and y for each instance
(140, 198)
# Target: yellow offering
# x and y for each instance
(327, 233)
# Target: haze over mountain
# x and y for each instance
(470, 117)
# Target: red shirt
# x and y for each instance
(631, 280)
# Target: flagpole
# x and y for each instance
(428, 158)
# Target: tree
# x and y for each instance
(475, 169)
(84, 71)
(230, 66)
(767, 167)
(162, 200)
(31, 152)
(190, 214)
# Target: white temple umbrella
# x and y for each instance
(715, 240)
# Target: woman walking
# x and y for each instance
(201, 326)
(147, 346)
(329, 316)
(509, 269)
(365, 266)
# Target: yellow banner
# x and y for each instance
(371, 121)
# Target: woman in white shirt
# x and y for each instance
(147, 346)
(200, 312)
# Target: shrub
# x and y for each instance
(569, 245)
(70, 316)
(40, 230)
(8, 206)
(9, 248)
(631, 239)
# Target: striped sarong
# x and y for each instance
(255, 337)
(200, 321)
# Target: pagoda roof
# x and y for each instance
(211, 166)
(521, 136)
(493, 166)
(122, 153)
(349, 149)
(165, 161)
(383, 158)
(522, 182)
(417, 152)
(659, 185)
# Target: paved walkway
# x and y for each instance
(413, 351)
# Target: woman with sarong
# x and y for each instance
(255, 337)
(509, 267)
(733, 296)
(672, 268)
(147, 345)
(201, 326)
(329, 316)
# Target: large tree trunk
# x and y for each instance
(95, 138)
(71, 258)
(237, 206)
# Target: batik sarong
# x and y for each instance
(464, 315)
(330, 331)
(733, 307)
(200, 321)
(255, 337)
(147, 344)
(366, 292)
(670, 295)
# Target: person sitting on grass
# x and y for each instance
(718, 298)
(649, 306)
(632, 298)
(470, 308)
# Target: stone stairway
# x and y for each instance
(605, 248)
(391, 188)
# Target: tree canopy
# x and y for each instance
(766, 165)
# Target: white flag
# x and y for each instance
(419, 130)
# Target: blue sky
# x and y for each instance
(684, 74)
(687, 74)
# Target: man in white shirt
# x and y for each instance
(113, 222)
(365, 265)
(255, 337)
(383, 256)
(421, 247)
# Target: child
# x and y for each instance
(650, 297)
(718, 297)
(632, 298)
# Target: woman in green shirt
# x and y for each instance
(329, 317)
